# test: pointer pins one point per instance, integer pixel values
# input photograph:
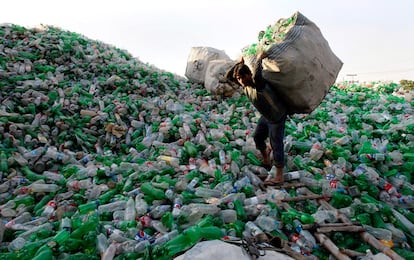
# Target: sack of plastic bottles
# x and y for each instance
(199, 59)
(300, 64)
(216, 249)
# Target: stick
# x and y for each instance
(328, 244)
(315, 225)
(305, 197)
(340, 229)
(350, 252)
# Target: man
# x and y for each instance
(273, 111)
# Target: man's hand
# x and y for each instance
(262, 55)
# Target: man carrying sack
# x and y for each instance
(292, 73)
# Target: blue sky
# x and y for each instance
(374, 39)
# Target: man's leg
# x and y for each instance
(277, 134)
(260, 135)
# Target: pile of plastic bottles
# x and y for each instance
(102, 155)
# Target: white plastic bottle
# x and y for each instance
(267, 223)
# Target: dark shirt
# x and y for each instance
(264, 98)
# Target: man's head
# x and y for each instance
(240, 74)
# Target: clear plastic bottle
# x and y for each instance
(226, 187)
(379, 233)
(53, 154)
(398, 180)
(112, 206)
(325, 215)
(232, 197)
(294, 175)
(207, 193)
(66, 224)
(310, 239)
(192, 184)
(209, 209)
(44, 187)
(404, 221)
(222, 157)
(158, 211)
(268, 224)
(275, 195)
(23, 218)
(158, 226)
(110, 251)
(388, 187)
(19, 159)
(17, 244)
(316, 152)
(101, 244)
(49, 209)
(170, 194)
(403, 201)
(254, 179)
(301, 241)
(259, 170)
(130, 211)
(177, 206)
(397, 234)
(228, 215)
(54, 176)
(34, 154)
(241, 183)
(258, 199)
(164, 238)
(254, 230)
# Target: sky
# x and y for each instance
(373, 38)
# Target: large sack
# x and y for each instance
(301, 67)
(216, 249)
(198, 60)
(215, 81)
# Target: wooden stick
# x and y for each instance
(287, 185)
(340, 229)
(350, 252)
(305, 197)
(316, 225)
(328, 244)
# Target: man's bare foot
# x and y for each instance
(266, 156)
(277, 179)
(273, 181)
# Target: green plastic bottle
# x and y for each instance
(90, 224)
(340, 200)
(88, 207)
(211, 232)
(150, 190)
(241, 212)
(292, 213)
(180, 243)
(30, 175)
(4, 165)
(253, 159)
(405, 253)
(26, 200)
(44, 253)
(190, 148)
(60, 238)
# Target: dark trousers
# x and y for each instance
(276, 133)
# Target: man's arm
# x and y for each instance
(259, 81)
